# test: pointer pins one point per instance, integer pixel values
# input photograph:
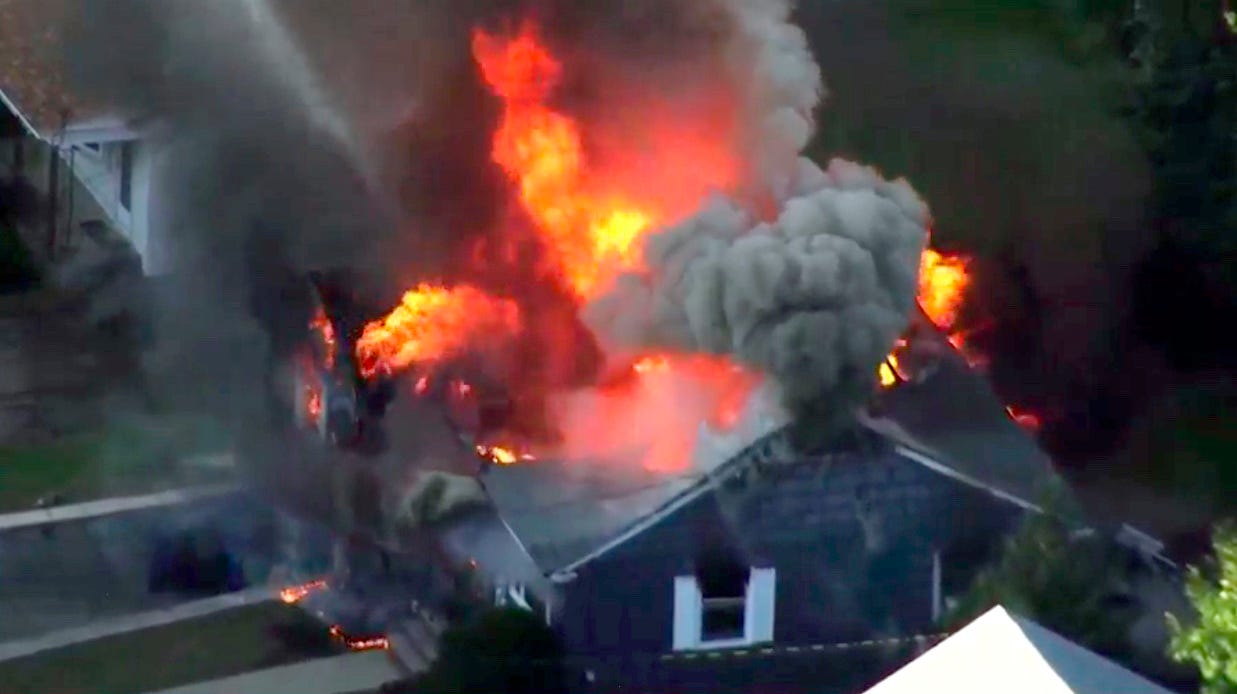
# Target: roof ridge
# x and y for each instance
(708, 480)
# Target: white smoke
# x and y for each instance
(814, 297)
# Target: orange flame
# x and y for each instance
(592, 220)
(323, 327)
(430, 324)
(370, 644)
(943, 282)
(890, 371)
(501, 455)
(593, 237)
(294, 594)
(311, 395)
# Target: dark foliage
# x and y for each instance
(1071, 583)
(17, 267)
(1188, 284)
(509, 651)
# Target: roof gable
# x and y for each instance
(566, 514)
(1002, 652)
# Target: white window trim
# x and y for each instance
(937, 602)
(758, 618)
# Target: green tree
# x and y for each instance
(1210, 642)
(504, 651)
(1060, 579)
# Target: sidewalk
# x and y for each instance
(135, 622)
(112, 506)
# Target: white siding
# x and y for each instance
(99, 173)
(140, 232)
(687, 613)
(761, 605)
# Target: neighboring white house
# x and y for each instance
(113, 164)
(87, 173)
(90, 168)
(999, 652)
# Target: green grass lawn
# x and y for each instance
(123, 458)
(221, 645)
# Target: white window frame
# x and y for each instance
(938, 606)
(759, 604)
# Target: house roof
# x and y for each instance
(954, 417)
(952, 423)
(32, 79)
(1002, 652)
(561, 512)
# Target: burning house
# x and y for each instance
(724, 408)
(676, 387)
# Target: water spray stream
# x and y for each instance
(286, 56)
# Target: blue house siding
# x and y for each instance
(839, 578)
(623, 603)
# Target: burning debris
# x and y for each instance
(294, 594)
(355, 643)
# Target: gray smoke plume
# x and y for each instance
(814, 297)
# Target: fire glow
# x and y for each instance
(591, 237)
(322, 326)
(294, 594)
(654, 413)
(355, 644)
(502, 456)
(430, 324)
(591, 218)
(943, 283)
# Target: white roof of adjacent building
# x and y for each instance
(999, 652)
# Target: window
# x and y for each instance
(722, 618)
(126, 175)
(714, 612)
